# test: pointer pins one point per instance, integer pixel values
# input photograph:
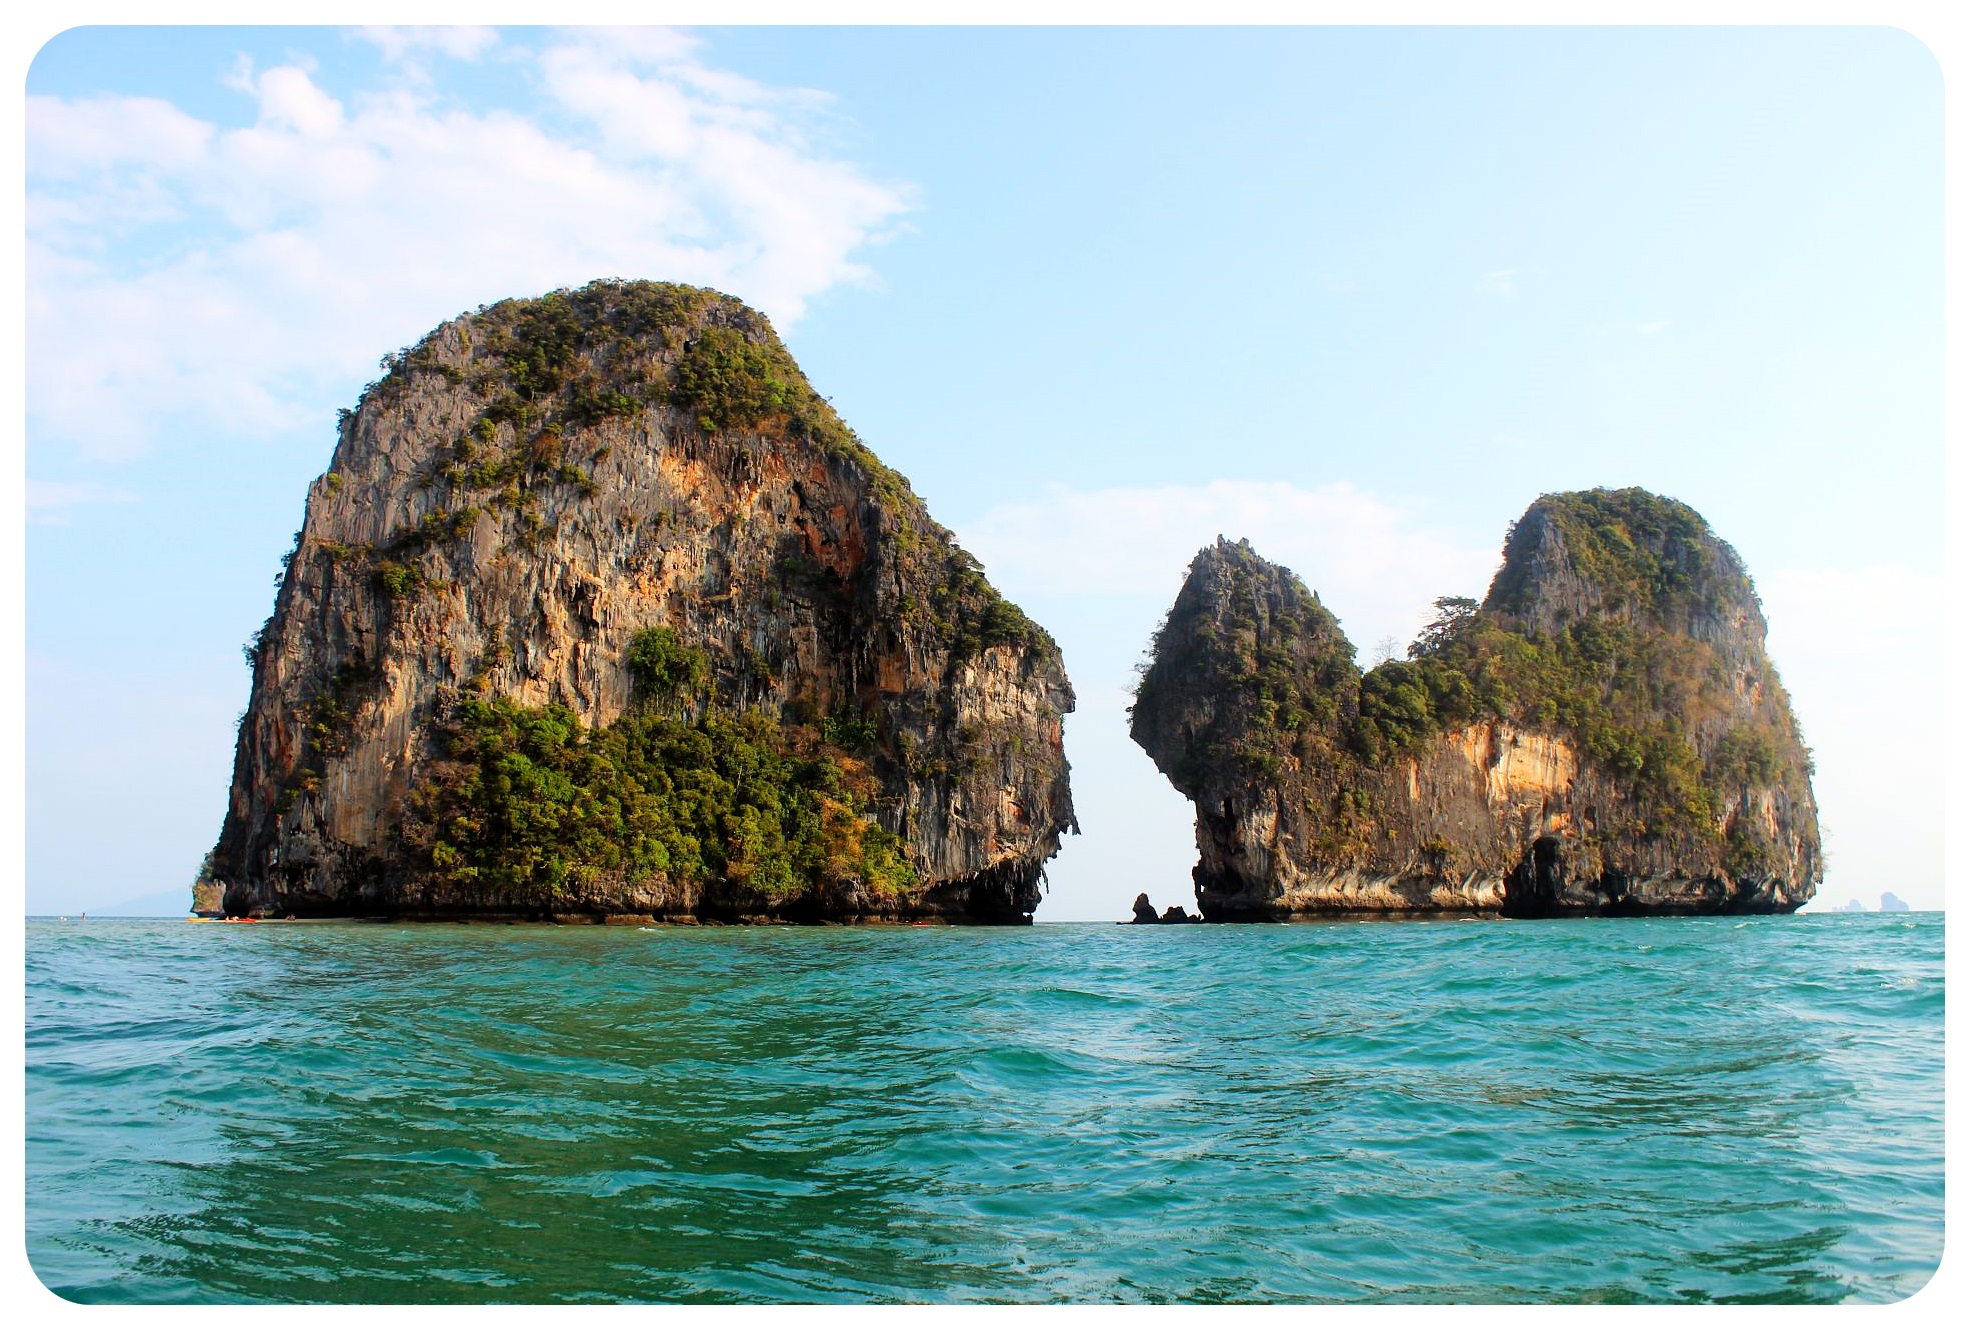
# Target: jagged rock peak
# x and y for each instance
(600, 610)
(1628, 556)
(1237, 617)
(1604, 734)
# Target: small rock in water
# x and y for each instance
(1145, 913)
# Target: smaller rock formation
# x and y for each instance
(1603, 735)
(208, 897)
(1145, 913)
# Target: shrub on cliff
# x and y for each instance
(662, 667)
(531, 804)
(728, 381)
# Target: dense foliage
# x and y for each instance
(1640, 699)
(1630, 698)
(531, 804)
(662, 667)
(1642, 554)
(563, 362)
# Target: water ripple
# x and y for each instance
(1611, 1110)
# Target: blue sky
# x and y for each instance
(1358, 294)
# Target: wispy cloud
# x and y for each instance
(244, 279)
(1375, 565)
(1652, 327)
(463, 42)
(50, 503)
(1501, 282)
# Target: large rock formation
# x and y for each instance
(601, 611)
(1604, 735)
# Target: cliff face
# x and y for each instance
(600, 610)
(1603, 735)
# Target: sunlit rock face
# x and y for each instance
(1604, 734)
(447, 716)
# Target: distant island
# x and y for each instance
(601, 613)
(1604, 734)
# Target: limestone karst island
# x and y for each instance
(600, 612)
(1603, 735)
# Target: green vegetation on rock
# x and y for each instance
(571, 359)
(662, 667)
(976, 617)
(1638, 553)
(729, 381)
(552, 368)
(531, 805)
(1639, 697)
(1630, 699)
(1270, 653)
(325, 726)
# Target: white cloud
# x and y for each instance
(49, 503)
(245, 279)
(1652, 327)
(1502, 282)
(1376, 567)
(460, 43)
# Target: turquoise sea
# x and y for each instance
(1598, 1110)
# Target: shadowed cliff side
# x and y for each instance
(601, 611)
(1603, 735)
